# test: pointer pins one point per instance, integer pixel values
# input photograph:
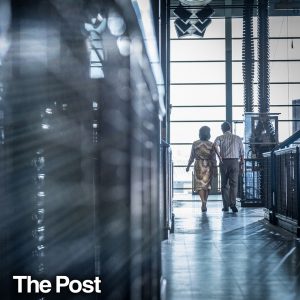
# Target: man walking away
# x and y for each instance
(231, 153)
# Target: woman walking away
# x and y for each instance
(204, 154)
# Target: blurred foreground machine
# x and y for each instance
(80, 118)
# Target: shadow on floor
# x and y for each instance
(218, 255)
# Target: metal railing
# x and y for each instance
(281, 189)
(251, 183)
(281, 185)
(167, 167)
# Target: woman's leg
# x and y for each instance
(206, 195)
(202, 194)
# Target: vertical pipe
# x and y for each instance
(263, 57)
(228, 56)
(168, 76)
(273, 188)
(264, 67)
(297, 176)
(163, 46)
(248, 55)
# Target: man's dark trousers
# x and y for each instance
(229, 174)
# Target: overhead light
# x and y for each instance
(199, 33)
(182, 26)
(180, 33)
(201, 27)
(191, 22)
(182, 13)
(195, 2)
(204, 13)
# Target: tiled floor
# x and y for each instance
(218, 255)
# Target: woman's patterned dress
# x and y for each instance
(203, 152)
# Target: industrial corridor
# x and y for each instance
(149, 149)
(218, 255)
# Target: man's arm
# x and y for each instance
(217, 149)
(214, 162)
(241, 149)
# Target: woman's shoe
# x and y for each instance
(204, 209)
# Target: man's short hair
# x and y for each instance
(225, 126)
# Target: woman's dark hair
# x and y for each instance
(204, 133)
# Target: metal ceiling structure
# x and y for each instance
(276, 7)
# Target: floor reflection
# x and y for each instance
(216, 255)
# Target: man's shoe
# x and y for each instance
(225, 209)
(234, 209)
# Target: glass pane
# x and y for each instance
(293, 72)
(284, 49)
(237, 49)
(238, 128)
(284, 71)
(182, 179)
(238, 94)
(283, 94)
(197, 72)
(237, 72)
(237, 27)
(293, 26)
(285, 26)
(279, 94)
(284, 130)
(197, 50)
(216, 29)
(181, 154)
(237, 113)
(197, 94)
(285, 112)
(189, 132)
(294, 91)
(198, 113)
